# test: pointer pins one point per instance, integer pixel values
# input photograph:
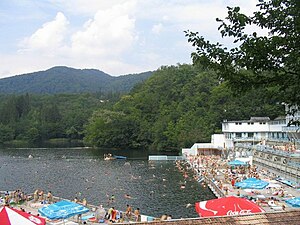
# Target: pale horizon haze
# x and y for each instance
(115, 36)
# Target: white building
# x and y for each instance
(255, 130)
(215, 147)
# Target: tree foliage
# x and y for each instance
(111, 129)
(176, 107)
(37, 118)
(271, 61)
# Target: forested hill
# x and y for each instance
(62, 79)
(175, 108)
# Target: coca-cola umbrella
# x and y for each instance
(227, 206)
(10, 216)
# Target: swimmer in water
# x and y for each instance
(127, 196)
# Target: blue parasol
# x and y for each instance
(295, 202)
(62, 210)
(252, 183)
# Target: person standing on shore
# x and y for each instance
(49, 197)
(137, 214)
(84, 202)
(233, 182)
(41, 196)
(76, 199)
(128, 211)
(109, 213)
(36, 195)
(113, 214)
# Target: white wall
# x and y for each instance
(218, 140)
(245, 127)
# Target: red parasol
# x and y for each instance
(227, 206)
(9, 216)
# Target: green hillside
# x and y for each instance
(69, 80)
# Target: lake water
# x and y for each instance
(153, 187)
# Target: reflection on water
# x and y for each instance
(153, 187)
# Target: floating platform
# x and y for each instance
(164, 158)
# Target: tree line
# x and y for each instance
(32, 119)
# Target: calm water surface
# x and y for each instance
(154, 187)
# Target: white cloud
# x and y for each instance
(110, 32)
(48, 38)
(116, 36)
(157, 28)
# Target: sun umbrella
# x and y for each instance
(237, 163)
(295, 202)
(62, 210)
(9, 216)
(252, 183)
(227, 206)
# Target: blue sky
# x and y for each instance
(115, 36)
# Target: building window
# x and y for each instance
(238, 135)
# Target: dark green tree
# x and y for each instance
(111, 129)
(33, 135)
(6, 133)
(270, 61)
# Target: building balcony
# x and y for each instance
(291, 129)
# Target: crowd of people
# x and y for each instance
(117, 216)
(14, 197)
(111, 214)
(225, 177)
(101, 214)
(40, 196)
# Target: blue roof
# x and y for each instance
(252, 183)
(63, 209)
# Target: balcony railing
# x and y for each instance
(267, 149)
(291, 129)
